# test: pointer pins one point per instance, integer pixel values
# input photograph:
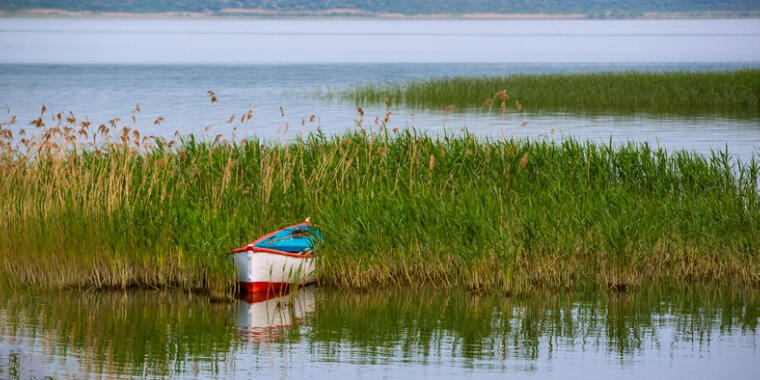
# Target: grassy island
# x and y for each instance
(730, 93)
(395, 207)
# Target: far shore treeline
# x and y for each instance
(399, 8)
(396, 207)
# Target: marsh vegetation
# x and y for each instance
(84, 210)
(729, 93)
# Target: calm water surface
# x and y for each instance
(389, 333)
(228, 41)
(100, 69)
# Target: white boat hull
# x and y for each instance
(265, 271)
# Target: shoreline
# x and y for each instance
(354, 14)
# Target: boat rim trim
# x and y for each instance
(251, 246)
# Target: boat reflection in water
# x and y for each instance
(267, 316)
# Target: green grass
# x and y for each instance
(730, 93)
(506, 216)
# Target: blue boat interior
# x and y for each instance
(292, 239)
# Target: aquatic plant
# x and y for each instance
(396, 207)
(729, 93)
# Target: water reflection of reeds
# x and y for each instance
(158, 333)
(135, 333)
(387, 325)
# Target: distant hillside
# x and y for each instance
(613, 8)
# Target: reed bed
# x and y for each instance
(396, 207)
(730, 93)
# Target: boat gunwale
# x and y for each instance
(252, 248)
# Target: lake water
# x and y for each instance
(325, 333)
(102, 68)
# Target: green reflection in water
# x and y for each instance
(159, 333)
(136, 333)
(413, 324)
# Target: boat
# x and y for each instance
(277, 260)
